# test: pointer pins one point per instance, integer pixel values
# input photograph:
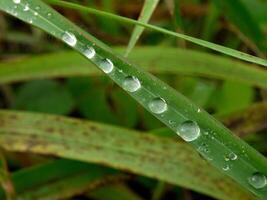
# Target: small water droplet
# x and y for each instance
(69, 38)
(35, 13)
(226, 168)
(37, 7)
(189, 131)
(158, 105)
(257, 180)
(89, 52)
(49, 14)
(30, 21)
(232, 156)
(131, 84)
(16, 1)
(106, 65)
(198, 110)
(26, 7)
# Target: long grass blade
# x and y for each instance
(180, 61)
(146, 13)
(161, 158)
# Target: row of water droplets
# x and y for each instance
(188, 130)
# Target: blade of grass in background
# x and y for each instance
(215, 47)
(146, 13)
(161, 158)
(180, 61)
(239, 15)
(209, 137)
(33, 182)
(5, 180)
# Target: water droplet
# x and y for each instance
(69, 38)
(131, 84)
(257, 180)
(106, 65)
(189, 131)
(232, 156)
(198, 110)
(158, 105)
(226, 168)
(35, 13)
(30, 21)
(49, 14)
(37, 7)
(26, 7)
(89, 52)
(16, 1)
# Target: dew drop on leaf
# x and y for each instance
(69, 38)
(189, 130)
(89, 52)
(106, 65)
(257, 180)
(131, 84)
(158, 105)
(16, 1)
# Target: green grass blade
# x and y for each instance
(210, 45)
(146, 13)
(209, 137)
(161, 158)
(180, 61)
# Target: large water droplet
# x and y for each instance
(16, 1)
(69, 38)
(106, 65)
(189, 131)
(131, 84)
(257, 180)
(89, 52)
(158, 105)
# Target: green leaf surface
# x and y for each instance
(146, 13)
(156, 157)
(179, 61)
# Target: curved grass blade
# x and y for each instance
(146, 13)
(156, 157)
(209, 137)
(227, 51)
(180, 61)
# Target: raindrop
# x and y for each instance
(232, 156)
(89, 52)
(131, 84)
(26, 8)
(158, 105)
(226, 168)
(257, 180)
(37, 8)
(189, 131)
(35, 13)
(106, 65)
(16, 1)
(69, 38)
(49, 14)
